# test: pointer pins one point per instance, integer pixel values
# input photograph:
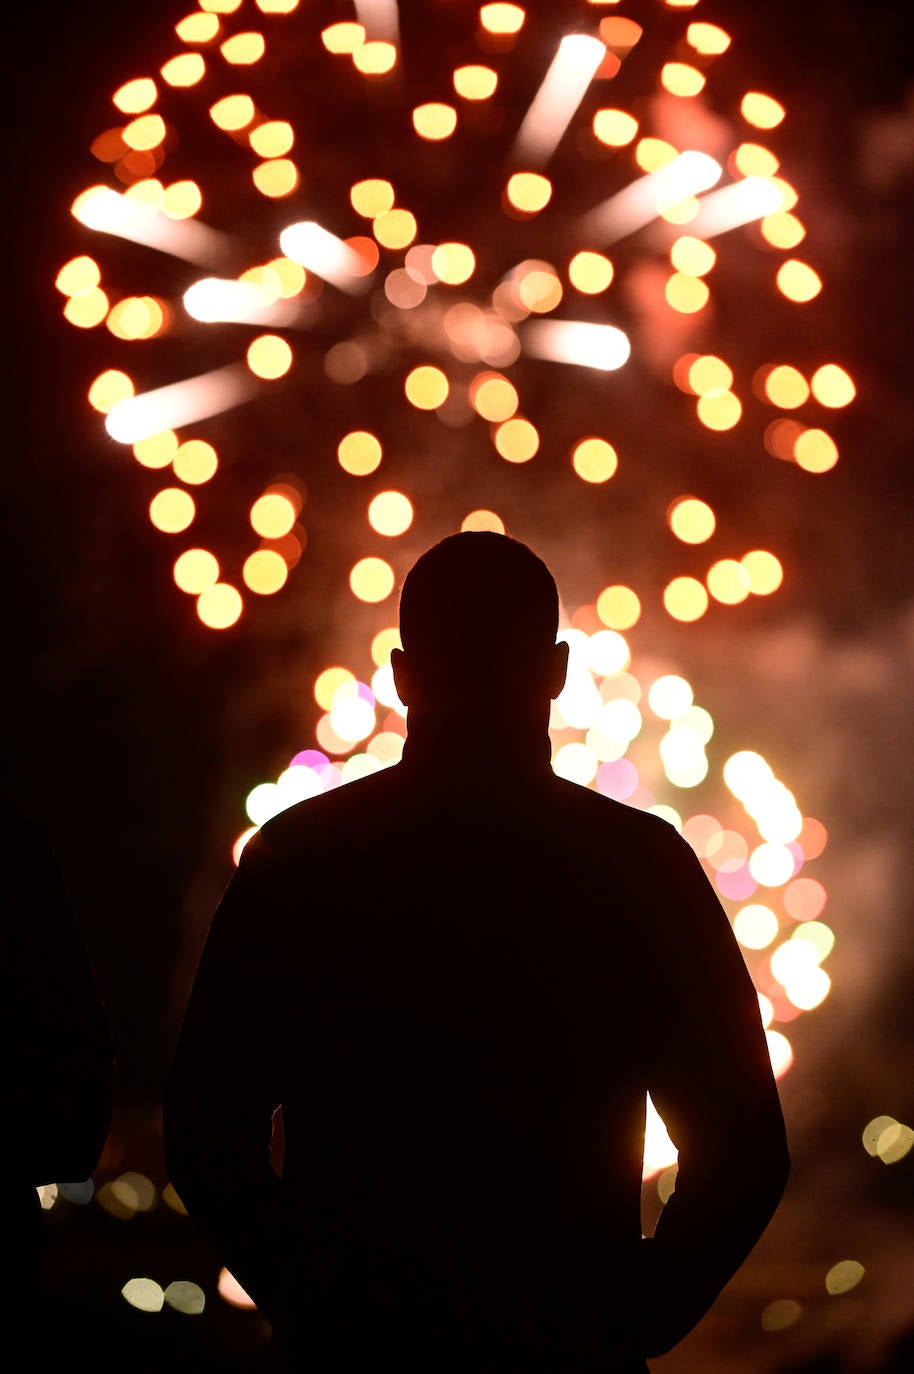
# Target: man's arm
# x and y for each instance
(224, 1090)
(713, 1085)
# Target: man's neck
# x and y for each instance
(485, 744)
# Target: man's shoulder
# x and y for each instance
(353, 805)
(592, 808)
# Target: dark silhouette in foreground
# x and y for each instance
(459, 978)
(58, 1071)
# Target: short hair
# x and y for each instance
(478, 596)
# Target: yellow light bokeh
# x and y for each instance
(172, 510)
(493, 397)
(708, 39)
(764, 571)
(371, 197)
(434, 120)
(761, 110)
(681, 79)
(653, 153)
(290, 276)
(375, 57)
(453, 263)
(728, 581)
(691, 256)
(426, 387)
(615, 128)
(390, 513)
(182, 200)
(243, 49)
(618, 607)
(685, 598)
(394, 228)
(185, 70)
(157, 450)
(475, 82)
(269, 357)
(501, 18)
(197, 28)
(195, 570)
(272, 515)
(540, 290)
(87, 310)
(136, 96)
(265, 572)
(686, 294)
(832, 386)
(528, 192)
(274, 138)
(815, 451)
(786, 387)
(195, 462)
(752, 160)
(719, 411)
(782, 229)
(108, 388)
(798, 281)
(708, 375)
(136, 317)
(691, 520)
(371, 580)
(232, 112)
(78, 276)
(144, 133)
(328, 683)
(220, 606)
(359, 453)
(589, 272)
(517, 440)
(382, 644)
(594, 460)
(344, 37)
(483, 520)
(276, 178)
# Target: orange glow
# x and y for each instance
(692, 257)
(185, 70)
(728, 581)
(502, 18)
(195, 462)
(797, 281)
(453, 263)
(136, 96)
(109, 146)
(87, 310)
(195, 570)
(390, 513)
(272, 139)
(426, 387)
(780, 436)
(272, 515)
(367, 250)
(540, 290)
(359, 453)
(691, 520)
(197, 28)
(157, 451)
(685, 599)
(620, 35)
(232, 112)
(372, 197)
(172, 510)
(594, 460)
(493, 397)
(681, 79)
(276, 178)
(764, 570)
(815, 451)
(243, 49)
(615, 128)
(483, 520)
(434, 121)
(782, 230)
(269, 357)
(108, 388)
(708, 375)
(528, 192)
(136, 317)
(653, 153)
(708, 39)
(832, 386)
(475, 82)
(265, 572)
(618, 607)
(146, 132)
(784, 386)
(375, 58)
(761, 110)
(590, 273)
(394, 228)
(752, 160)
(344, 37)
(220, 606)
(719, 411)
(372, 580)
(517, 440)
(78, 276)
(688, 295)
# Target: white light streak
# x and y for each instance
(645, 199)
(180, 403)
(326, 255)
(380, 20)
(744, 201)
(217, 300)
(559, 95)
(577, 341)
(112, 213)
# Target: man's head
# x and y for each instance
(478, 620)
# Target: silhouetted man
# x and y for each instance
(459, 978)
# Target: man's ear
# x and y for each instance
(400, 667)
(558, 668)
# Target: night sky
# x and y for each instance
(133, 734)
